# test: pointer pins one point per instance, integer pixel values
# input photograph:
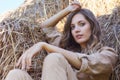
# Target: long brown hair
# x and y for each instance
(68, 42)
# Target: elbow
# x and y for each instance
(103, 69)
(99, 68)
(42, 45)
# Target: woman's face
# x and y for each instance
(80, 29)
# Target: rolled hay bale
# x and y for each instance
(110, 26)
(19, 30)
(15, 42)
(100, 7)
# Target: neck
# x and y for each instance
(83, 46)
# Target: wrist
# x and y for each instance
(41, 44)
(67, 10)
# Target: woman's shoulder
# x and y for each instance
(53, 36)
(107, 49)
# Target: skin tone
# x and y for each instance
(25, 60)
(52, 21)
(81, 30)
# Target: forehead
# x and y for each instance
(78, 17)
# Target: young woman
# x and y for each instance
(80, 55)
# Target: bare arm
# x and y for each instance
(52, 21)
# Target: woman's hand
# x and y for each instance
(24, 61)
(73, 6)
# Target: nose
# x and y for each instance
(77, 29)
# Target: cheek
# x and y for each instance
(88, 33)
(88, 36)
(86, 30)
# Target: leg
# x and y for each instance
(56, 67)
(18, 74)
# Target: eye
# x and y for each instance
(72, 27)
(81, 23)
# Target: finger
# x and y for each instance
(77, 5)
(23, 64)
(29, 62)
(19, 62)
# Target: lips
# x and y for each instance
(79, 36)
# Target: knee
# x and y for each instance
(17, 74)
(14, 71)
(13, 74)
(54, 58)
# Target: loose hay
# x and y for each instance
(20, 29)
(110, 26)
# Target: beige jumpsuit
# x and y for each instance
(96, 66)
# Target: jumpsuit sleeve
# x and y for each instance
(103, 61)
(53, 36)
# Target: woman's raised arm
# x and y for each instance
(52, 21)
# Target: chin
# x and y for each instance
(81, 41)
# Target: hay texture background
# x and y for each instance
(20, 29)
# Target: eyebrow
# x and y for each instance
(78, 21)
